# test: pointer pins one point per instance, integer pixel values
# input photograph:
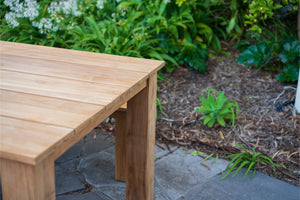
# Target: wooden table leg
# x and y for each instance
(140, 146)
(22, 181)
(120, 153)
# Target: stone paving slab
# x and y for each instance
(119, 193)
(97, 141)
(66, 178)
(178, 176)
(72, 153)
(86, 196)
(98, 169)
(180, 171)
(261, 187)
(160, 153)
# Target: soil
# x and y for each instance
(259, 124)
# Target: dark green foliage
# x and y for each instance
(179, 32)
(290, 57)
(257, 55)
(283, 55)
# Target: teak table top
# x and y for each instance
(49, 95)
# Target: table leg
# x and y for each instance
(22, 181)
(120, 153)
(140, 146)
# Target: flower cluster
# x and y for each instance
(45, 25)
(68, 7)
(26, 9)
(100, 4)
(30, 9)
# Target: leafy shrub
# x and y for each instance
(179, 32)
(290, 57)
(217, 110)
(246, 159)
(257, 55)
(284, 55)
(260, 11)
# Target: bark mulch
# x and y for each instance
(259, 124)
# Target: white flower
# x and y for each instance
(11, 3)
(11, 19)
(53, 7)
(100, 4)
(167, 1)
(31, 9)
(68, 7)
(26, 9)
(45, 25)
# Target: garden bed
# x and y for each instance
(259, 124)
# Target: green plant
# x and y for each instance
(284, 55)
(257, 55)
(217, 110)
(158, 104)
(262, 13)
(246, 159)
(290, 57)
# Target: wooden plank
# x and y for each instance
(28, 182)
(82, 72)
(29, 142)
(120, 149)
(140, 144)
(81, 57)
(60, 88)
(46, 110)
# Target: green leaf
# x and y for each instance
(283, 57)
(207, 158)
(207, 119)
(232, 167)
(235, 156)
(240, 167)
(291, 74)
(220, 120)
(205, 102)
(246, 151)
(194, 153)
(211, 100)
(211, 122)
(230, 25)
(224, 111)
(252, 164)
(221, 99)
(215, 160)
(204, 110)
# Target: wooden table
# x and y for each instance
(52, 97)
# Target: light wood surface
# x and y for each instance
(51, 97)
(140, 143)
(28, 182)
(121, 140)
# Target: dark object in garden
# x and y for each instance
(279, 105)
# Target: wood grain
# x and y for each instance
(50, 98)
(81, 57)
(140, 145)
(75, 71)
(60, 88)
(63, 113)
(120, 142)
(28, 182)
(29, 142)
